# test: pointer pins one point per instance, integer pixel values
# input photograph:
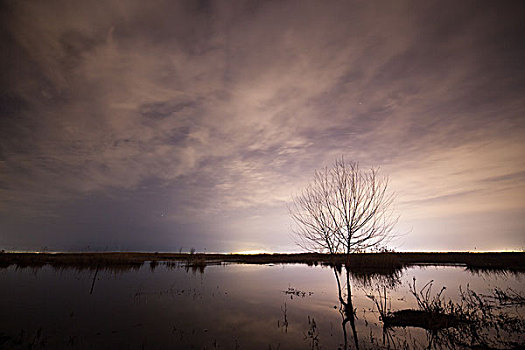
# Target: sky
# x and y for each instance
(167, 125)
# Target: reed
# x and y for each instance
(387, 262)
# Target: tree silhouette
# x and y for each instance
(344, 210)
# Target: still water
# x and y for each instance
(238, 306)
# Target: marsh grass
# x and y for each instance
(366, 263)
(506, 298)
(476, 321)
(433, 311)
(196, 264)
(24, 340)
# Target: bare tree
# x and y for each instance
(344, 210)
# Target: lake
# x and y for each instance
(243, 306)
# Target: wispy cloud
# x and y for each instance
(229, 107)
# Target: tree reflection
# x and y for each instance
(346, 308)
(362, 277)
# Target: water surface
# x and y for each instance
(232, 306)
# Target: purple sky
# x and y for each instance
(156, 125)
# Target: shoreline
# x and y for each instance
(513, 261)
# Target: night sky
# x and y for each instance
(156, 126)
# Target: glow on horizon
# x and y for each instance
(253, 252)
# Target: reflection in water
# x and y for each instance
(346, 308)
(390, 278)
(159, 306)
(312, 334)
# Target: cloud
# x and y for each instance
(229, 107)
